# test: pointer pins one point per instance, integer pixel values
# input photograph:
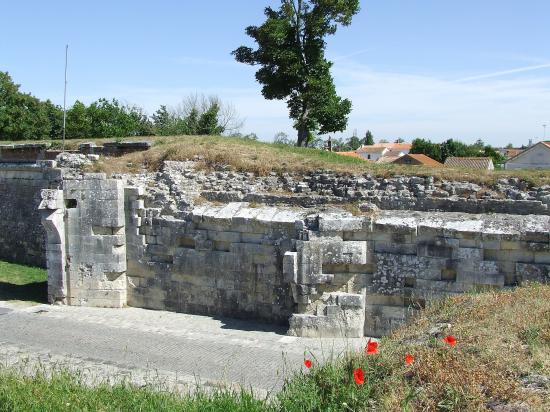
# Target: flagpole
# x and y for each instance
(65, 97)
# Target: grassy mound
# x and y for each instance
(501, 359)
(263, 158)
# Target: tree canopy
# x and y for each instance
(291, 52)
(25, 117)
(22, 116)
(369, 139)
(455, 148)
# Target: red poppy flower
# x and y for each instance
(450, 340)
(409, 359)
(371, 348)
(307, 363)
(359, 376)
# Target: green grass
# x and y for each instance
(22, 283)
(66, 392)
(501, 337)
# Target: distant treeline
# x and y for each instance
(455, 148)
(25, 117)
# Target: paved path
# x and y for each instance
(155, 347)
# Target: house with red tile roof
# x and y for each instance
(384, 152)
(351, 154)
(534, 157)
(416, 159)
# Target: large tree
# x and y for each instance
(291, 53)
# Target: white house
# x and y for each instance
(534, 157)
(380, 151)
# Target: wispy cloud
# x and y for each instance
(494, 107)
(504, 73)
(353, 54)
(499, 110)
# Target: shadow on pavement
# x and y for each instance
(36, 292)
(251, 325)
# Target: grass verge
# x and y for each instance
(502, 358)
(24, 283)
(66, 392)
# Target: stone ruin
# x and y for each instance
(235, 245)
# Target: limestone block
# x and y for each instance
(363, 235)
(523, 256)
(542, 257)
(396, 248)
(349, 300)
(251, 238)
(436, 249)
(338, 252)
(290, 267)
(468, 254)
(490, 277)
(536, 246)
(335, 223)
(533, 272)
(396, 225)
(341, 324)
(384, 300)
(382, 320)
(231, 237)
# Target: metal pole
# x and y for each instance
(65, 97)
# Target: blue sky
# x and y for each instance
(426, 68)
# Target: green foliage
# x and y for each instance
(197, 115)
(250, 136)
(106, 118)
(369, 139)
(163, 122)
(354, 143)
(423, 146)
(330, 386)
(79, 124)
(22, 116)
(208, 121)
(112, 119)
(55, 118)
(291, 53)
(454, 148)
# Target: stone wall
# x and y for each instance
(220, 261)
(178, 180)
(335, 274)
(86, 245)
(404, 260)
(22, 238)
(322, 272)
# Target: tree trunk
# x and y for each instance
(302, 136)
